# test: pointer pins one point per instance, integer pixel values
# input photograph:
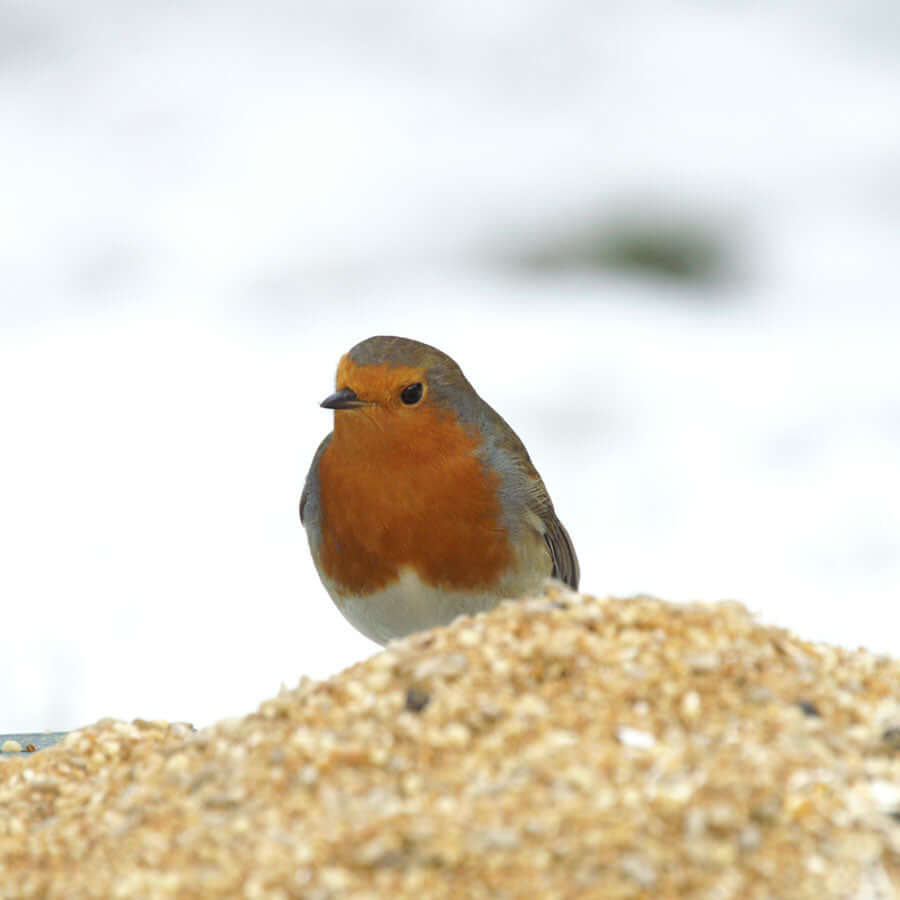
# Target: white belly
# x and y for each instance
(412, 605)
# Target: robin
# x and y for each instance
(423, 504)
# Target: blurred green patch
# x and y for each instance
(683, 251)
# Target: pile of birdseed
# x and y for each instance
(561, 746)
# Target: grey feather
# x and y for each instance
(309, 498)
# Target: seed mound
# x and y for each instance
(558, 746)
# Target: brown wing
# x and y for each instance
(565, 562)
(507, 454)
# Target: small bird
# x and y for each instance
(423, 504)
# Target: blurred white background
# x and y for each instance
(661, 237)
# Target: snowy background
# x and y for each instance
(661, 237)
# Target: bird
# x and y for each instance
(422, 504)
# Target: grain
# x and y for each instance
(556, 747)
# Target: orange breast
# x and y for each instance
(407, 491)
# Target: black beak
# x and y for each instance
(343, 399)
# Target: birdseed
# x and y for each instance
(559, 746)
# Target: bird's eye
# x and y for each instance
(412, 393)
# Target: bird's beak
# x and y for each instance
(343, 399)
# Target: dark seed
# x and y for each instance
(416, 700)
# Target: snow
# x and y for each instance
(203, 205)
